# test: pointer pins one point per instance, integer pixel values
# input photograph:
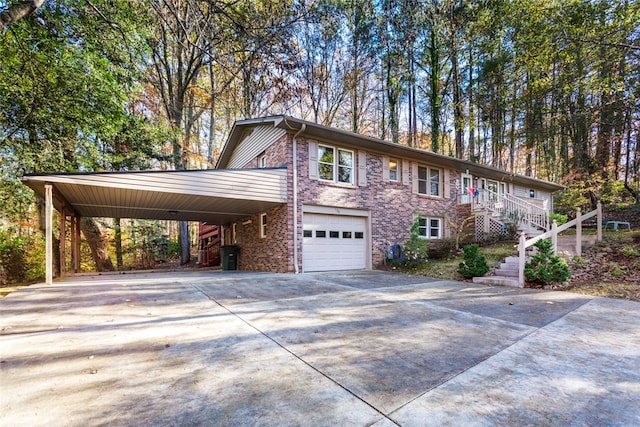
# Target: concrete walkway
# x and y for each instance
(351, 349)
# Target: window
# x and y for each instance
(430, 228)
(532, 193)
(336, 168)
(359, 235)
(429, 181)
(321, 233)
(346, 234)
(307, 233)
(262, 161)
(334, 234)
(393, 169)
(263, 225)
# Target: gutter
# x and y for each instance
(295, 197)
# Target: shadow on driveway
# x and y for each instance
(340, 348)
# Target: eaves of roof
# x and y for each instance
(351, 139)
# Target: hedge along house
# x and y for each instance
(297, 196)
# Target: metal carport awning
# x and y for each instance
(214, 196)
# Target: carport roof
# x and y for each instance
(213, 196)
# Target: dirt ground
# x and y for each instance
(611, 268)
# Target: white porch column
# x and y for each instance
(48, 215)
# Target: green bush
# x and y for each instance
(559, 218)
(629, 251)
(546, 267)
(474, 265)
(416, 249)
(21, 259)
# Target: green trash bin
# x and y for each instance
(229, 257)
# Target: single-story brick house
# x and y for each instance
(349, 195)
(297, 196)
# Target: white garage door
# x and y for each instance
(333, 242)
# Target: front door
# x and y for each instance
(467, 183)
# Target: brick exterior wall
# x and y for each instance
(392, 207)
(273, 253)
(270, 253)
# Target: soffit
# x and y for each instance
(212, 196)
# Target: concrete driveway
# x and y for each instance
(353, 349)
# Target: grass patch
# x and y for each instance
(448, 268)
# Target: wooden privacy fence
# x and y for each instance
(523, 243)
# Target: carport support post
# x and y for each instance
(75, 238)
(63, 239)
(48, 215)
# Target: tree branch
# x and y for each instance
(18, 11)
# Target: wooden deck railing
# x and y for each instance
(523, 243)
(511, 207)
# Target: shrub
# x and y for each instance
(474, 265)
(616, 270)
(629, 251)
(21, 259)
(416, 249)
(442, 249)
(546, 267)
(559, 218)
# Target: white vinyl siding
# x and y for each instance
(255, 143)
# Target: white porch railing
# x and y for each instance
(511, 207)
(523, 243)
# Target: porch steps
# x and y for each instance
(505, 274)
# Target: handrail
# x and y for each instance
(523, 243)
(504, 204)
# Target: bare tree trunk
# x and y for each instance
(97, 243)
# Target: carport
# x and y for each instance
(211, 195)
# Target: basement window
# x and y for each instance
(263, 225)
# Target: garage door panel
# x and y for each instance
(343, 247)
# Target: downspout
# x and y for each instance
(295, 198)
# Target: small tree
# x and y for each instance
(474, 265)
(546, 267)
(416, 249)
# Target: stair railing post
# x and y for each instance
(521, 259)
(554, 235)
(579, 232)
(599, 216)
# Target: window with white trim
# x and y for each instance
(263, 225)
(429, 181)
(430, 228)
(262, 161)
(335, 164)
(393, 170)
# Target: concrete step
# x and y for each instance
(497, 281)
(506, 273)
